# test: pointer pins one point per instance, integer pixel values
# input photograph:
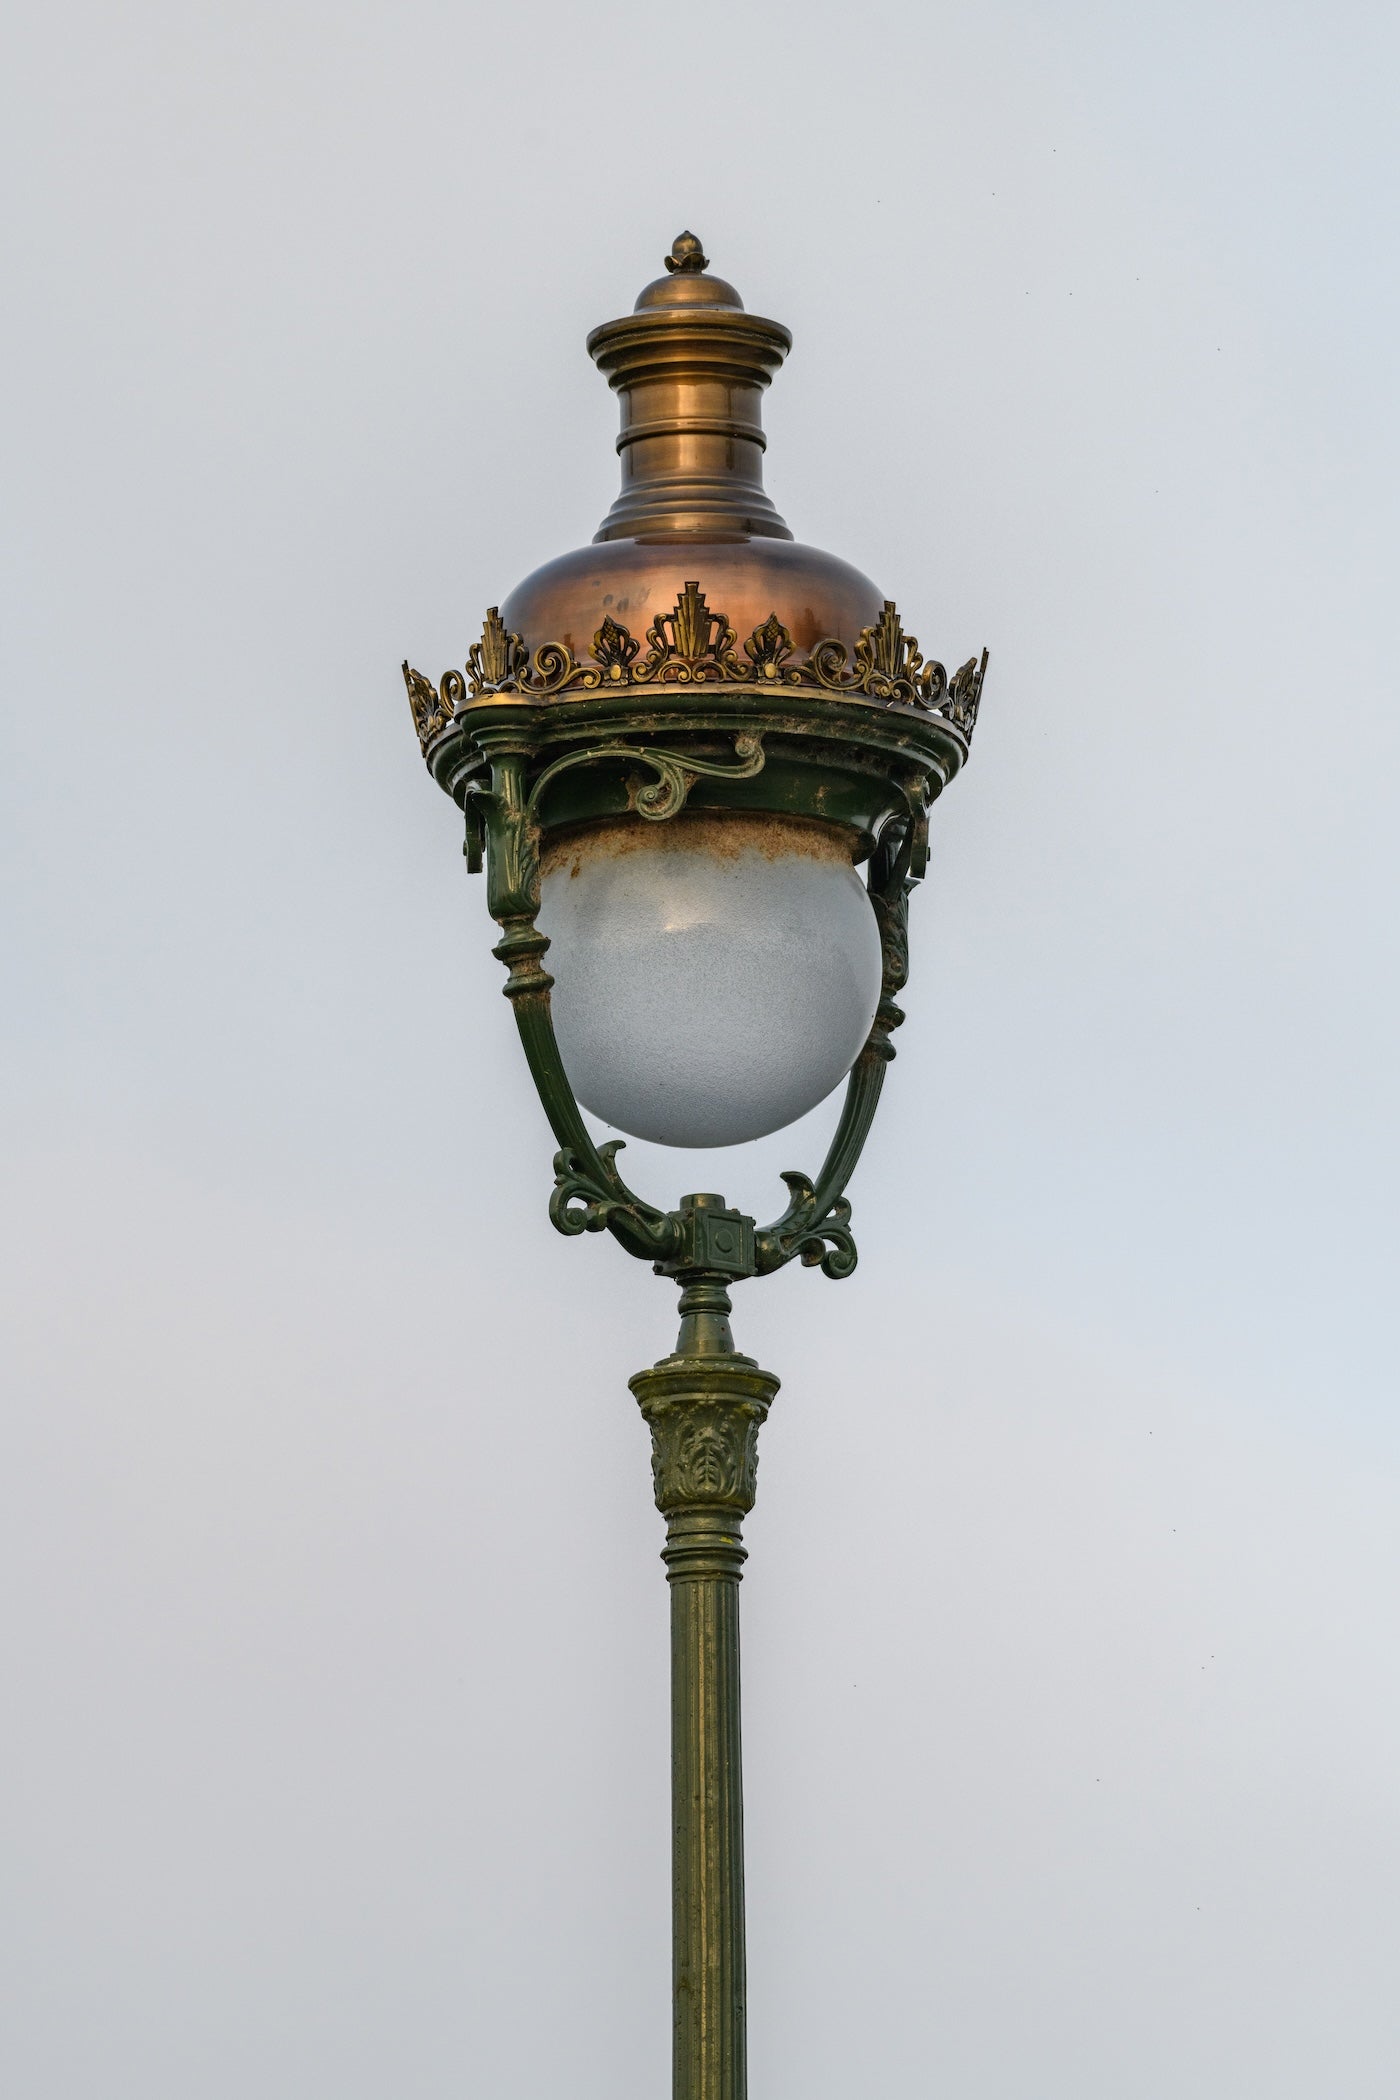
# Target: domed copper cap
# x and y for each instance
(690, 365)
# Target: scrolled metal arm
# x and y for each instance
(675, 774)
(589, 1193)
(815, 1227)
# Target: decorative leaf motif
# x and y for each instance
(768, 648)
(887, 644)
(614, 649)
(839, 1258)
(691, 623)
(497, 658)
(705, 1452)
(965, 694)
(888, 661)
(803, 1232)
(582, 1198)
(589, 1194)
(705, 1464)
(933, 684)
(691, 645)
(431, 709)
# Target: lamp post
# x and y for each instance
(673, 749)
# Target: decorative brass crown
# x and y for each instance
(691, 645)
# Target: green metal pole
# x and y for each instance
(704, 1406)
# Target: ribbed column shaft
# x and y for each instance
(704, 1407)
(704, 1556)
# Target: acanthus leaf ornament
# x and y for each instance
(704, 1452)
(818, 1235)
(432, 707)
(590, 1195)
(691, 645)
(965, 694)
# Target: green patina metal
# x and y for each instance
(536, 743)
(523, 770)
(704, 1405)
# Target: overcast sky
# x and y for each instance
(334, 1630)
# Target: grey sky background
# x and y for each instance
(334, 1632)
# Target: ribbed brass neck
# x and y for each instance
(690, 366)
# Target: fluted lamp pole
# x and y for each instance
(696, 761)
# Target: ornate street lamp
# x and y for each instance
(673, 749)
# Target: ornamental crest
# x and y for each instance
(691, 645)
(494, 660)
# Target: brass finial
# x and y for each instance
(690, 365)
(687, 254)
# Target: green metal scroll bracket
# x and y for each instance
(815, 1227)
(589, 1193)
(676, 774)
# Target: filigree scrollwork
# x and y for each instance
(590, 1195)
(580, 1201)
(888, 665)
(676, 773)
(690, 645)
(501, 663)
(818, 1235)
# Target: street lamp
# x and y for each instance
(674, 749)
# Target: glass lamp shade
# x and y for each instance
(715, 976)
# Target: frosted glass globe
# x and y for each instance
(715, 976)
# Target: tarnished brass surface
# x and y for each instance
(692, 644)
(634, 582)
(689, 366)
